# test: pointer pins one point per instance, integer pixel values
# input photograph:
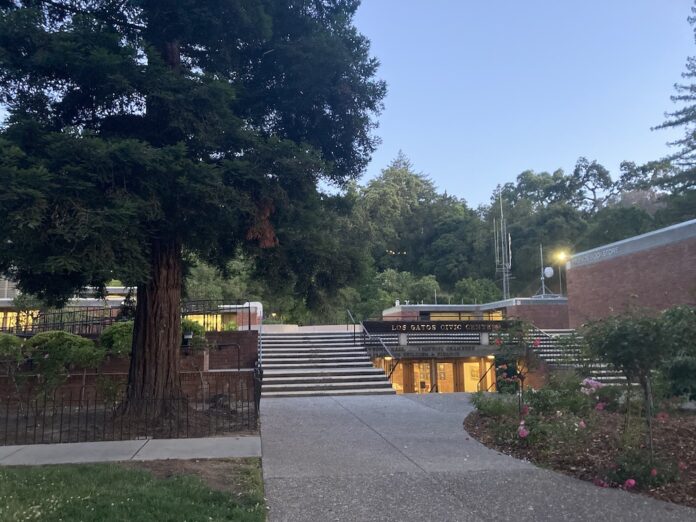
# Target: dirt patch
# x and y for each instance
(236, 476)
(675, 440)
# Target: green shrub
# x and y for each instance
(230, 327)
(680, 373)
(614, 397)
(564, 433)
(561, 393)
(636, 464)
(53, 354)
(117, 339)
(198, 341)
(495, 405)
(187, 325)
(10, 349)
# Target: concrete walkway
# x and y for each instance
(147, 449)
(407, 458)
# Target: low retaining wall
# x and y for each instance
(232, 355)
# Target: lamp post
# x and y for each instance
(562, 257)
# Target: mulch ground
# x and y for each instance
(675, 440)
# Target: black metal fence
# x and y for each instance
(100, 413)
(86, 321)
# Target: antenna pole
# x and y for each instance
(541, 269)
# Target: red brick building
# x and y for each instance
(654, 271)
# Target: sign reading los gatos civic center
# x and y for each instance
(433, 327)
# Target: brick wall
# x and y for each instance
(233, 348)
(222, 356)
(544, 316)
(656, 279)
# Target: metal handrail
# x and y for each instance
(352, 320)
(478, 385)
(384, 346)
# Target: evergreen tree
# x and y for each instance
(683, 178)
(143, 132)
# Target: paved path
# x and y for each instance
(407, 458)
(149, 449)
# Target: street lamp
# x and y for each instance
(561, 257)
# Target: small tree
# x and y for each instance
(634, 345)
(11, 356)
(516, 345)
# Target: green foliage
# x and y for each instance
(203, 128)
(188, 325)
(494, 405)
(631, 343)
(10, 349)
(230, 327)
(638, 465)
(557, 433)
(561, 393)
(54, 354)
(117, 339)
(470, 290)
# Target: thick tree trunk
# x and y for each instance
(154, 368)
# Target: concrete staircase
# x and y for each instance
(558, 349)
(312, 364)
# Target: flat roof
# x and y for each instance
(631, 245)
(483, 307)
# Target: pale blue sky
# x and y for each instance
(480, 91)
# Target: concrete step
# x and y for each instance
(266, 345)
(319, 379)
(324, 386)
(322, 372)
(314, 357)
(309, 351)
(310, 336)
(275, 366)
(362, 359)
(321, 393)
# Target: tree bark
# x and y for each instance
(154, 367)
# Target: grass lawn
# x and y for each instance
(224, 489)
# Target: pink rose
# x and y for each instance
(599, 406)
(653, 472)
(630, 483)
(582, 424)
(522, 432)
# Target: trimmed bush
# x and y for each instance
(10, 349)
(495, 405)
(53, 354)
(561, 393)
(187, 325)
(117, 339)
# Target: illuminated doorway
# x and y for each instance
(472, 375)
(422, 377)
(445, 377)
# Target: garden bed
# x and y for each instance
(591, 447)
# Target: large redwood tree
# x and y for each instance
(137, 134)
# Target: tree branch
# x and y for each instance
(74, 10)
